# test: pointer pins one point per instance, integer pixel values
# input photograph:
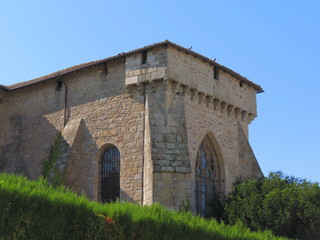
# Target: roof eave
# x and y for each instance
(217, 65)
(5, 88)
(102, 61)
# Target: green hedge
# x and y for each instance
(36, 210)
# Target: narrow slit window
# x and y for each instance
(216, 73)
(106, 69)
(144, 57)
(59, 86)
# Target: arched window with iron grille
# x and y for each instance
(207, 176)
(110, 174)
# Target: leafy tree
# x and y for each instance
(286, 205)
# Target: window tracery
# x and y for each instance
(206, 176)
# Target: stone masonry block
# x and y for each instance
(132, 80)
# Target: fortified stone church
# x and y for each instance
(157, 124)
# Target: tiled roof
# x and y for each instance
(166, 42)
(3, 87)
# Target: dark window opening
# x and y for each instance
(110, 175)
(144, 57)
(59, 86)
(216, 73)
(241, 84)
(106, 69)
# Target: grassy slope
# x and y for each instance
(34, 210)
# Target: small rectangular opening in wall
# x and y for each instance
(106, 69)
(59, 86)
(241, 84)
(144, 57)
(216, 73)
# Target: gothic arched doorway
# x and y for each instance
(110, 174)
(207, 176)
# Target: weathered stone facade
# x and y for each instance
(155, 104)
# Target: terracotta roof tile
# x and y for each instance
(52, 75)
(166, 42)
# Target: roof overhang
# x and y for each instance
(165, 43)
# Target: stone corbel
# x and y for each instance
(193, 92)
(153, 86)
(180, 89)
(250, 117)
(216, 103)
(223, 106)
(208, 100)
(166, 83)
(229, 109)
(184, 88)
(129, 89)
(140, 88)
(201, 96)
(237, 112)
(244, 114)
(174, 86)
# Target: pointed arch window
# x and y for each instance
(207, 176)
(110, 174)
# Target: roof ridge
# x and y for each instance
(92, 63)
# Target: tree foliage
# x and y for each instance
(286, 205)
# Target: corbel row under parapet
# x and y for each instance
(212, 102)
(195, 95)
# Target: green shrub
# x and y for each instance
(286, 205)
(216, 207)
(50, 171)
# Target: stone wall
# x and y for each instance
(154, 67)
(3, 118)
(109, 115)
(169, 146)
(28, 135)
(220, 108)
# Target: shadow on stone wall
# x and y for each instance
(126, 198)
(29, 145)
(82, 170)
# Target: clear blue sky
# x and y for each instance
(274, 43)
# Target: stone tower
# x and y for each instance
(156, 124)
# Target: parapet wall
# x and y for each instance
(226, 91)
